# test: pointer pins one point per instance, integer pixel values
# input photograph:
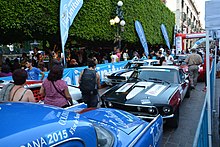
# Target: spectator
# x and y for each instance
(89, 81)
(34, 57)
(17, 92)
(40, 63)
(163, 61)
(114, 57)
(33, 72)
(125, 55)
(73, 63)
(143, 56)
(169, 58)
(16, 64)
(193, 60)
(135, 56)
(56, 90)
(8, 62)
(24, 59)
(118, 53)
(55, 60)
(5, 71)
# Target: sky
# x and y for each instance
(201, 8)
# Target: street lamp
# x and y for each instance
(119, 21)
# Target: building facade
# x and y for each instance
(187, 18)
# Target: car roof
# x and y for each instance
(143, 61)
(160, 67)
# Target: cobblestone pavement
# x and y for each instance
(190, 111)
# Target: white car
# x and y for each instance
(34, 86)
(115, 77)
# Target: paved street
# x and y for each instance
(190, 112)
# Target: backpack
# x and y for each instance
(5, 92)
(88, 83)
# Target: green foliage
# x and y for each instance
(27, 19)
(92, 22)
(39, 19)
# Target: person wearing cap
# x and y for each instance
(193, 61)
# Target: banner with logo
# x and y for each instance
(179, 45)
(71, 75)
(68, 11)
(140, 32)
(165, 35)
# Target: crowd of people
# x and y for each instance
(55, 90)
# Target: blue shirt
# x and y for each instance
(33, 74)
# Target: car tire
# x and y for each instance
(188, 92)
(174, 122)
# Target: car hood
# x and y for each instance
(114, 118)
(141, 93)
(122, 72)
(26, 123)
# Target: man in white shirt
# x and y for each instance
(169, 58)
(125, 55)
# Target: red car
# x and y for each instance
(180, 61)
(201, 77)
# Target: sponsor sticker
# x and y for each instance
(155, 90)
(145, 101)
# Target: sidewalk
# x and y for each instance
(215, 125)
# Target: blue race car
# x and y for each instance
(38, 125)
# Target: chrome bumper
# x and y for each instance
(150, 117)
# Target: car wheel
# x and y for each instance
(188, 93)
(174, 122)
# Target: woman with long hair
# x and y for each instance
(55, 89)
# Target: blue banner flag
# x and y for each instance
(142, 37)
(68, 11)
(165, 35)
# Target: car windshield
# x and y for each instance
(166, 75)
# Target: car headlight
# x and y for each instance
(166, 109)
(110, 104)
(151, 110)
(104, 137)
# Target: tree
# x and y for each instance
(39, 19)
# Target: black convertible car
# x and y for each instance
(151, 90)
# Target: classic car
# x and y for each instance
(34, 86)
(151, 90)
(201, 77)
(39, 125)
(122, 75)
(180, 61)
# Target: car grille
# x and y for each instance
(137, 110)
